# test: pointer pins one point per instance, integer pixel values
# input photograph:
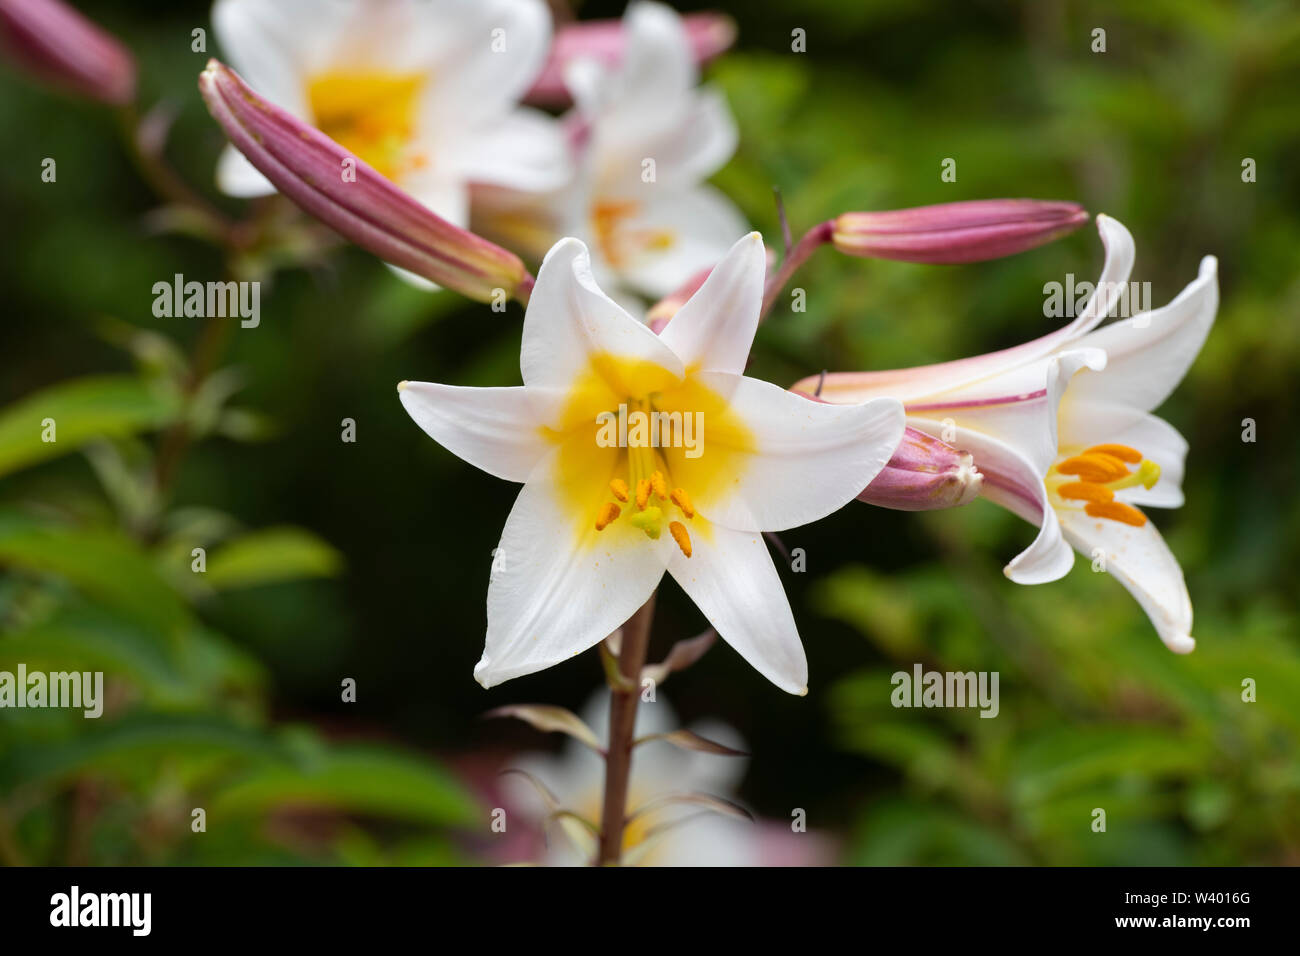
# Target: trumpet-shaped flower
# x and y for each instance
(647, 137)
(1061, 430)
(426, 92)
(643, 453)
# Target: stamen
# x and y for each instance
(678, 531)
(1122, 452)
(608, 512)
(619, 487)
(642, 493)
(650, 521)
(1085, 491)
(659, 485)
(1116, 511)
(1096, 467)
(683, 501)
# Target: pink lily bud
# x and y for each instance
(709, 34)
(956, 232)
(925, 474)
(347, 195)
(56, 44)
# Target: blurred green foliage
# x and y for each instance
(224, 688)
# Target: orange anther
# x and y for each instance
(642, 493)
(1085, 491)
(682, 500)
(608, 512)
(1116, 511)
(659, 485)
(1096, 467)
(619, 487)
(678, 531)
(1122, 452)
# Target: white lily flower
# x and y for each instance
(664, 833)
(648, 137)
(602, 516)
(1061, 429)
(424, 91)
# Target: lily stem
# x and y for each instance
(813, 239)
(622, 723)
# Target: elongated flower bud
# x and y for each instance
(925, 474)
(349, 196)
(605, 40)
(56, 44)
(956, 232)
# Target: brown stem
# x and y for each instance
(622, 722)
(815, 237)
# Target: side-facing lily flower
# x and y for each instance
(647, 138)
(424, 91)
(1061, 430)
(56, 44)
(710, 34)
(641, 453)
(366, 208)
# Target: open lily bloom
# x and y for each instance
(659, 832)
(641, 453)
(424, 91)
(1061, 430)
(647, 138)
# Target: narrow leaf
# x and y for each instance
(689, 740)
(550, 720)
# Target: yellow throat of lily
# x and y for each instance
(370, 114)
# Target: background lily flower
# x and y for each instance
(606, 40)
(57, 45)
(665, 833)
(1061, 429)
(424, 91)
(594, 528)
(649, 227)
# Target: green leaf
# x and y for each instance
(138, 740)
(359, 779)
(270, 556)
(102, 563)
(111, 406)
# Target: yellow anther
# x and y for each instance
(642, 493)
(1094, 466)
(682, 500)
(1116, 511)
(659, 485)
(619, 487)
(1148, 473)
(1122, 452)
(678, 531)
(650, 521)
(1085, 491)
(608, 512)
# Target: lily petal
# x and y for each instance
(1151, 352)
(1141, 561)
(715, 329)
(569, 319)
(494, 429)
(810, 458)
(731, 578)
(550, 598)
(1016, 484)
